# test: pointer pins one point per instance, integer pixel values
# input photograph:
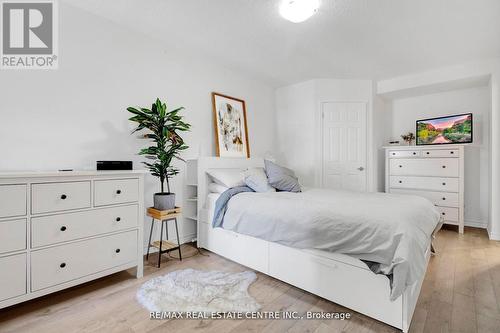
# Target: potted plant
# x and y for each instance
(409, 137)
(164, 127)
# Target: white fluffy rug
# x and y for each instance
(191, 290)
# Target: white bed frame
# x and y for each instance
(338, 278)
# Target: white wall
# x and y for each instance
(73, 116)
(298, 124)
(477, 100)
(494, 200)
(295, 125)
(382, 132)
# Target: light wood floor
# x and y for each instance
(461, 293)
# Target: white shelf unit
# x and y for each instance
(190, 209)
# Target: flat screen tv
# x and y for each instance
(455, 129)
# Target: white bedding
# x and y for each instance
(210, 204)
(392, 230)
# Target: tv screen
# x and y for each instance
(445, 130)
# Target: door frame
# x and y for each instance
(319, 142)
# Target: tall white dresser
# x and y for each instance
(60, 229)
(433, 172)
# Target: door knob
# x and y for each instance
(361, 168)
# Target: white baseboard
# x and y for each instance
(476, 223)
(492, 236)
(184, 239)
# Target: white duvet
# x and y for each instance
(392, 230)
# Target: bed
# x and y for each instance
(340, 278)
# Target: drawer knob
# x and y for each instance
(452, 152)
(400, 166)
(64, 196)
(62, 265)
(427, 153)
(400, 181)
(118, 219)
(393, 154)
(414, 153)
(444, 198)
(444, 166)
(118, 191)
(63, 228)
(117, 250)
(444, 184)
(443, 213)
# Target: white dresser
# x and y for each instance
(434, 172)
(60, 229)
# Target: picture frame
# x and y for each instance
(445, 130)
(230, 125)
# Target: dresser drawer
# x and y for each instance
(54, 229)
(437, 198)
(403, 153)
(437, 167)
(12, 276)
(449, 214)
(441, 153)
(56, 265)
(110, 192)
(425, 183)
(12, 236)
(12, 200)
(54, 197)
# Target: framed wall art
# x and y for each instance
(231, 132)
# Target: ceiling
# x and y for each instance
(346, 39)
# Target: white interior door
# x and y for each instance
(344, 145)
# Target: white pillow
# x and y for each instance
(216, 188)
(227, 177)
(256, 179)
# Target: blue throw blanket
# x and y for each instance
(221, 203)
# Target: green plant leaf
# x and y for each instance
(163, 127)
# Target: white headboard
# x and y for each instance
(206, 163)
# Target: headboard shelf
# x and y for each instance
(207, 163)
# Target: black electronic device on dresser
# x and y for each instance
(114, 165)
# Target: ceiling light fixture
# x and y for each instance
(297, 11)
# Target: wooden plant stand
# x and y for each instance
(164, 246)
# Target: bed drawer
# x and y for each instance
(342, 283)
(425, 183)
(441, 153)
(449, 214)
(435, 167)
(12, 276)
(248, 251)
(437, 198)
(12, 236)
(48, 230)
(12, 200)
(55, 197)
(403, 153)
(110, 192)
(59, 264)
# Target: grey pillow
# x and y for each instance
(256, 179)
(281, 178)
